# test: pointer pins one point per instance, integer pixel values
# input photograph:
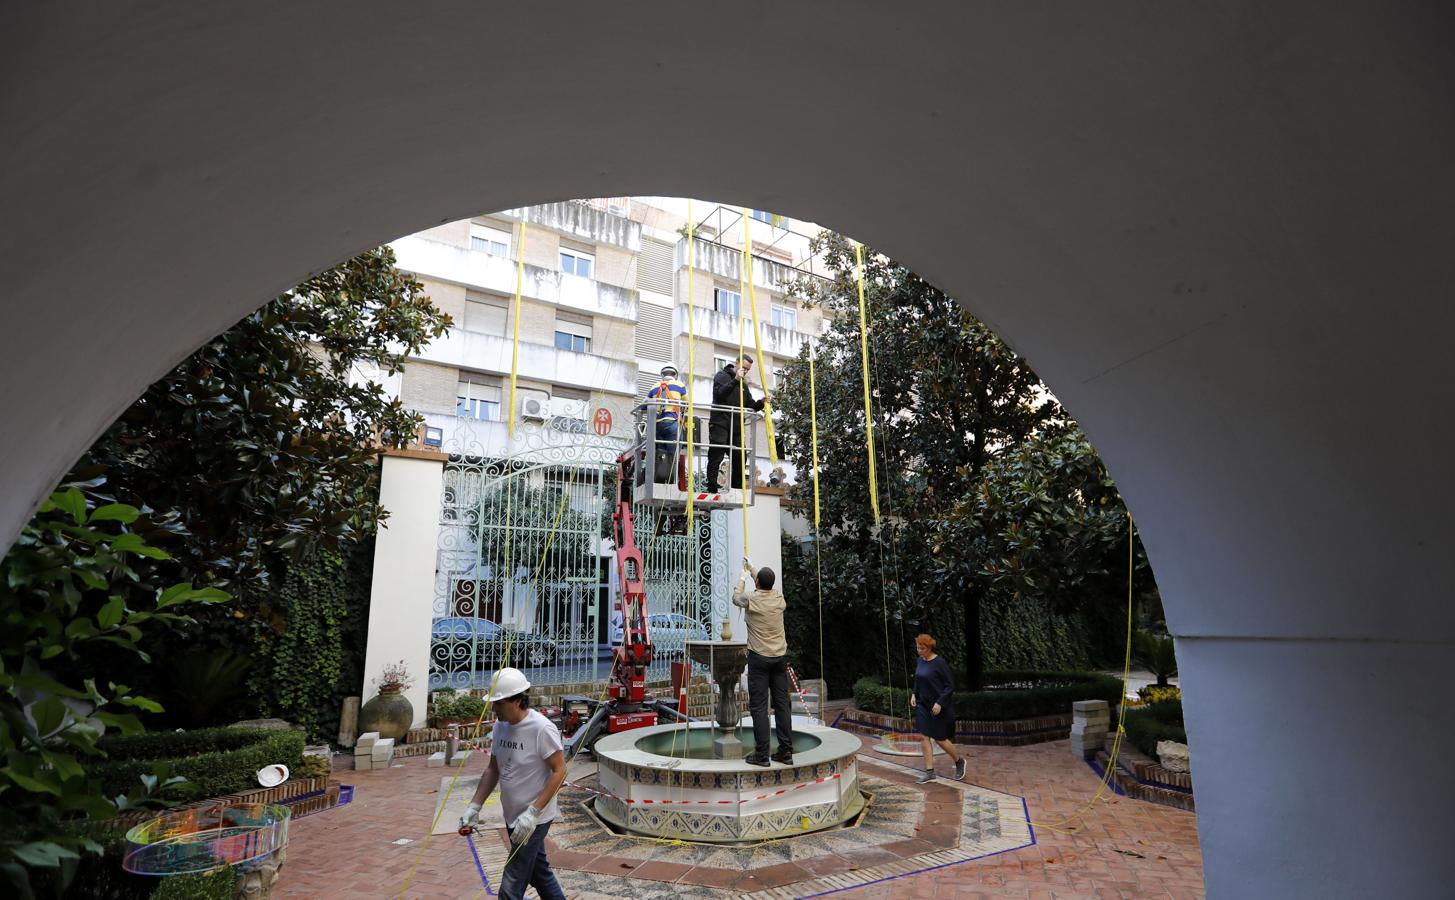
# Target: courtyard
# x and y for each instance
(941, 840)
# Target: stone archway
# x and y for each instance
(1220, 233)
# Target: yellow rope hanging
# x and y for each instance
(758, 341)
(515, 341)
(691, 365)
(864, 356)
(742, 389)
(817, 535)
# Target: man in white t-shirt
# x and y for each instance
(527, 762)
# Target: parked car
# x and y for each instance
(458, 637)
(669, 633)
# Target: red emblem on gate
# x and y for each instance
(601, 422)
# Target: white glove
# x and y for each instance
(471, 816)
(524, 826)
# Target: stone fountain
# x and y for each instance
(689, 782)
(726, 661)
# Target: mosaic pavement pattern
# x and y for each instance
(906, 828)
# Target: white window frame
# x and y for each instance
(717, 294)
(489, 239)
(579, 333)
(781, 311)
(473, 396)
(577, 257)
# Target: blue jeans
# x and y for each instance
(529, 866)
(667, 430)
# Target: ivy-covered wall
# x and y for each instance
(313, 656)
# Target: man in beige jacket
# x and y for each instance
(767, 666)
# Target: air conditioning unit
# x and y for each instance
(568, 409)
(534, 409)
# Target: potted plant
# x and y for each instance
(457, 709)
(389, 712)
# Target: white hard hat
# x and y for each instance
(507, 683)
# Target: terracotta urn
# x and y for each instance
(390, 713)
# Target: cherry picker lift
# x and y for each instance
(654, 473)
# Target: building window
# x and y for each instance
(574, 262)
(726, 301)
(491, 240)
(569, 409)
(485, 314)
(573, 333)
(477, 399)
(784, 317)
(762, 216)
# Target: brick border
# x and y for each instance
(1009, 733)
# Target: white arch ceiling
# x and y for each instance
(1221, 232)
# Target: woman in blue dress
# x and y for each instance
(933, 702)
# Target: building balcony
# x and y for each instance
(722, 328)
(538, 362)
(497, 274)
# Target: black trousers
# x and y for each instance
(714, 460)
(768, 676)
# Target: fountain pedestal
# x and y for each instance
(726, 660)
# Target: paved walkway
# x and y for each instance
(1125, 848)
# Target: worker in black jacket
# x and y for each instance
(724, 427)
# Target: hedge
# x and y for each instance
(1160, 721)
(1011, 695)
(217, 885)
(216, 760)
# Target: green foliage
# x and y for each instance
(1157, 654)
(259, 441)
(1013, 695)
(458, 706)
(70, 585)
(1160, 721)
(314, 766)
(216, 761)
(218, 885)
(205, 686)
(1002, 534)
(304, 653)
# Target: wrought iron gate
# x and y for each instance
(524, 567)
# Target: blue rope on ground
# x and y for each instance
(481, 868)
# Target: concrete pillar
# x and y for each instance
(401, 600)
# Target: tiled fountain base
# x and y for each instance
(906, 828)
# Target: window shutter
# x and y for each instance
(654, 267)
(654, 333)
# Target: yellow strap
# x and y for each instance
(864, 356)
(758, 342)
(515, 341)
(817, 535)
(743, 273)
(691, 363)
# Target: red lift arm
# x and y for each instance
(634, 654)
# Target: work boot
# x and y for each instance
(784, 756)
(926, 778)
(757, 759)
(960, 769)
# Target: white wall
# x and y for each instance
(402, 596)
(764, 549)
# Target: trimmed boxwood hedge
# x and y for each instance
(1009, 695)
(1160, 721)
(216, 760)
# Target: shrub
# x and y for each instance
(216, 760)
(459, 706)
(1146, 726)
(1013, 695)
(216, 885)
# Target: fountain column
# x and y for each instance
(726, 660)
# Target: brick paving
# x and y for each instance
(1125, 847)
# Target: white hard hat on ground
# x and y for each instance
(507, 683)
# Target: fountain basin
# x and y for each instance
(654, 790)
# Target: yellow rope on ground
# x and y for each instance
(758, 342)
(515, 341)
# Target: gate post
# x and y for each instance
(402, 592)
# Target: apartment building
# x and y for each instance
(605, 291)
